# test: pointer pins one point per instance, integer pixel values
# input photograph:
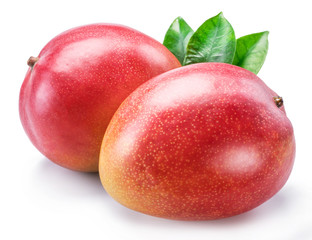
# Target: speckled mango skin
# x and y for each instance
(81, 78)
(201, 142)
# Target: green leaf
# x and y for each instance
(177, 37)
(214, 41)
(251, 51)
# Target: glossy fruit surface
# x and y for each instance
(76, 84)
(204, 141)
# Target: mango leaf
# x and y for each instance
(214, 41)
(177, 37)
(251, 51)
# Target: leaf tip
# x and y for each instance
(178, 19)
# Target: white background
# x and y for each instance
(40, 200)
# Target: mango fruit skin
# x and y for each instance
(201, 142)
(82, 76)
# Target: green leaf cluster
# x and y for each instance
(215, 41)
